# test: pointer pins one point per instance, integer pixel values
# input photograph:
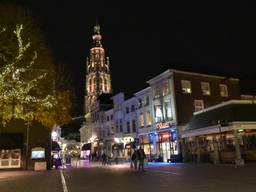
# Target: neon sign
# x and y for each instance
(162, 125)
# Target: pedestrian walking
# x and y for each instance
(141, 158)
(134, 159)
(104, 159)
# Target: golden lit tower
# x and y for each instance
(97, 71)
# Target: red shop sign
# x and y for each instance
(165, 136)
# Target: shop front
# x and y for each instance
(10, 150)
(118, 150)
(86, 151)
(168, 146)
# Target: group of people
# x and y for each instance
(138, 156)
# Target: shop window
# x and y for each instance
(199, 105)
(223, 90)
(186, 86)
(205, 87)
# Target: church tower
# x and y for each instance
(98, 79)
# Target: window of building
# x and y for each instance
(199, 105)
(127, 109)
(141, 120)
(133, 126)
(128, 127)
(205, 87)
(158, 112)
(111, 117)
(121, 126)
(146, 101)
(140, 103)
(108, 130)
(133, 108)
(186, 86)
(157, 92)
(149, 118)
(167, 109)
(165, 88)
(223, 90)
(107, 118)
(117, 127)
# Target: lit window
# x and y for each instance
(149, 118)
(158, 113)
(186, 86)
(168, 109)
(205, 87)
(165, 88)
(199, 105)
(141, 120)
(223, 90)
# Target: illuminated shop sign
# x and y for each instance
(165, 136)
(162, 125)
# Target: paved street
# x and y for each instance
(116, 178)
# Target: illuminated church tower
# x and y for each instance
(98, 79)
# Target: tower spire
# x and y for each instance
(97, 36)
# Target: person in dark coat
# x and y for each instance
(134, 159)
(141, 158)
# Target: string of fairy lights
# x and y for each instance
(16, 91)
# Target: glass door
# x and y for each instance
(165, 150)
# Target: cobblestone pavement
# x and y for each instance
(120, 178)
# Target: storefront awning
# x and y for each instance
(11, 140)
(86, 147)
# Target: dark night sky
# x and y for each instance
(144, 39)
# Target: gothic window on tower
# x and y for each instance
(90, 85)
(94, 83)
(106, 84)
(101, 81)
